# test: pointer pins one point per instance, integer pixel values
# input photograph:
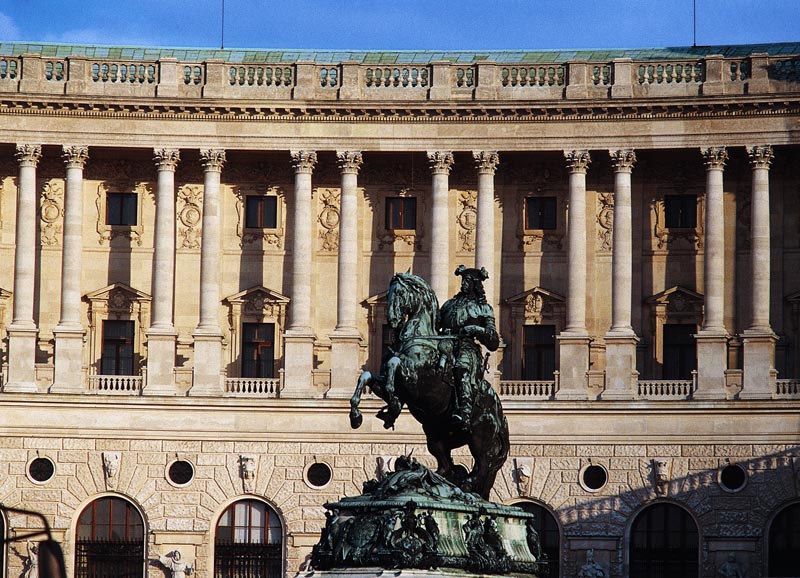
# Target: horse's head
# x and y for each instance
(410, 297)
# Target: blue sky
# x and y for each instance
(402, 24)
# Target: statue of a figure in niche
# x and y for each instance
(173, 562)
(435, 366)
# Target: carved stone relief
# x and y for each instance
(661, 475)
(605, 220)
(328, 219)
(467, 220)
(522, 474)
(111, 464)
(190, 216)
(248, 467)
(51, 213)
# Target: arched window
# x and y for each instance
(110, 540)
(549, 536)
(664, 542)
(249, 542)
(784, 542)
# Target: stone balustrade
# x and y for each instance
(436, 81)
(529, 389)
(116, 384)
(788, 389)
(658, 389)
(252, 387)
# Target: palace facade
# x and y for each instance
(196, 245)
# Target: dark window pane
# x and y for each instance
(117, 352)
(258, 349)
(261, 212)
(539, 352)
(784, 542)
(540, 212)
(664, 542)
(680, 211)
(401, 213)
(121, 209)
(680, 358)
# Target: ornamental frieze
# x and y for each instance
(328, 218)
(51, 213)
(190, 216)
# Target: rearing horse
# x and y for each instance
(416, 371)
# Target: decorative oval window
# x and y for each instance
(593, 478)
(318, 475)
(180, 473)
(41, 470)
(732, 478)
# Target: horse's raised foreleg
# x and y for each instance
(356, 419)
(394, 405)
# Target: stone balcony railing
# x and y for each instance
(438, 81)
(253, 386)
(529, 389)
(116, 384)
(665, 389)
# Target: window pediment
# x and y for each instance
(258, 302)
(537, 304)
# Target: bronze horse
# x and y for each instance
(416, 372)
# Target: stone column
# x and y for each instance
(712, 339)
(440, 162)
(22, 331)
(486, 163)
(573, 342)
(346, 340)
(208, 335)
(621, 339)
(299, 338)
(759, 340)
(69, 331)
(161, 335)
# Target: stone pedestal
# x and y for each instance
(620, 366)
(712, 361)
(573, 352)
(21, 353)
(160, 363)
(207, 379)
(298, 351)
(759, 379)
(345, 366)
(68, 361)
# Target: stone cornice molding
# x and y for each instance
(166, 159)
(760, 156)
(440, 162)
(486, 161)
(577, 161)
(349, 161)
(212, 159)
(622, 160)
(303, 161)
(714, 158)
(75, 156)
(28, 155)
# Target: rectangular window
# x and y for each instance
(261, 212)
(401, 213)
(258, 349)
(680, 211)
(117, 356)
(121, 209)
(680, 357)
(540, 212)
(539, 352)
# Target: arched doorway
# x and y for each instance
(549, 536)
(784, 542)
(110, 540)
(248, 542)
(664, 541)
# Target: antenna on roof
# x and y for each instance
(694, 22)
(222, 41)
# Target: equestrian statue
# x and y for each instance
(435, 366)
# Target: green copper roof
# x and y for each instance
(386, 57)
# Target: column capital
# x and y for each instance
(212, 159)
(760, 156)
(167, 159)
(440, 161)
(303, 161)
(577, 161)
(75, 156)
(349, 161)
(714, 157)
(486, 161)
(28, 155)
(622, 160)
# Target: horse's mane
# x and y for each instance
(417, 290)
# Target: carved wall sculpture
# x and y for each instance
(248, 466)
(328, 219)
(111, 465)
(605, 221)
(661, 475)
(467, 220)
(190, 216)
(51, 213)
